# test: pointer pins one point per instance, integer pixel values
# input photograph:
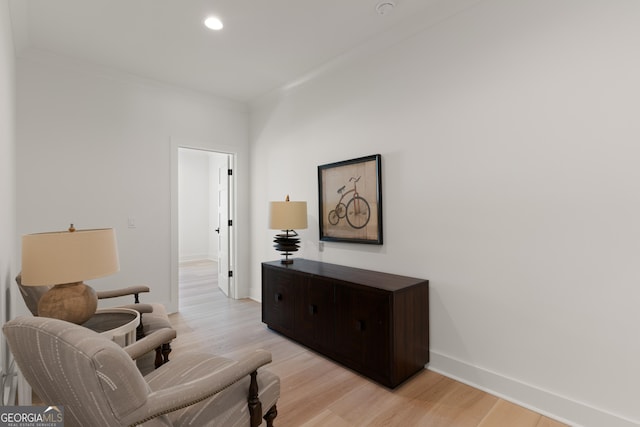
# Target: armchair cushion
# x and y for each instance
(156, 319)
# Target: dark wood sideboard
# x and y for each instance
(374, 323)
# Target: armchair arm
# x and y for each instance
(140, 308)
(191, 392)
(150, 342)
(131, 290)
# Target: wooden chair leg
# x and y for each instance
(166, 349)
(255, 406)
(140, 330)
(158, 361)
(162, 355)
(271, 415)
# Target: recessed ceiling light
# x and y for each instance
(213, 23)
(384, 7)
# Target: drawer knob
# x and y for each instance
(278, 296)
(360, 325)
(313, 309)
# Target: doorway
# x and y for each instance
(205, 238)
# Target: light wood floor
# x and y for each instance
(315, 391)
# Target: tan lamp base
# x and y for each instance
(73, 302)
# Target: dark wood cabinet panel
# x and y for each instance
(279, 311)
(315, 314)
(364, 338)
(375, 323)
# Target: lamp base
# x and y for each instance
(73, 302)
(286, 243)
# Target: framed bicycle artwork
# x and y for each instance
(350, 200)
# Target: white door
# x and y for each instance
(224, 230)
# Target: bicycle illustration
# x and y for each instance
(355, 209)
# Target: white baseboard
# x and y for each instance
(552, 405)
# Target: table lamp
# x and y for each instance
(63, 260)
(287, 216)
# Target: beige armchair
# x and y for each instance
(153, 317)
(98, 384)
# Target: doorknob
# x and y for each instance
(218, 230)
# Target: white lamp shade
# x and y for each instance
(287, 215)
(68, 257)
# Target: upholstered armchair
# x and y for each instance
(153, 317)
(98, 384)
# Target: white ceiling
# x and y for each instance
(265, 44)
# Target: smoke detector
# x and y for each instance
(385, 7)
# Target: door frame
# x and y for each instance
(176, 144)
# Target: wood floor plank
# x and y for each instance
(315, 391)
(462, 406)
(326, 418)
(505, 413)
(380, 401)
(548, 422)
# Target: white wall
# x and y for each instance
(509, 140)
(7, 177)
(96, 147)
(198, 203)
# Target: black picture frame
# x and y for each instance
(350, 200)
